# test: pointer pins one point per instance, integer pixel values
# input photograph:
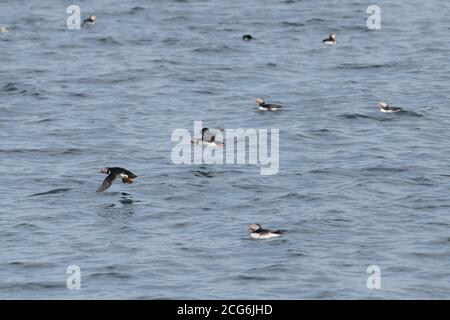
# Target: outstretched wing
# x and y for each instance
(106, 183)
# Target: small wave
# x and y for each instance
(21, 89)
(136, 9)
(206, 174)
(315, 21)
(127, 201)
(26, 225)
(410, 113)
(382, 169)
(248, 277)
(109, 41)
(292, 24)
(364, 116)
(357, 66)
(53, 191)
(295, 195)
(216, 49)
(117, 275)
(32, 286)
(43, 151)
(171, 41)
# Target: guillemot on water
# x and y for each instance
(113, 173)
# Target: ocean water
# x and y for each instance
(355, 187)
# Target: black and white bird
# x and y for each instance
(257, 232)
(113, 173)
(247, 37)
(384, 107)
(209, 137)
(331, 39)
(89, 20)
(263, 106)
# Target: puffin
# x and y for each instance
(331, 39)
(90, 20)
(384, 107)
(257, 232)
(247, 37)
(263, 106)
(113, 173)
(209, 137)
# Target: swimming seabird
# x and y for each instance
(209, 137)
(3, 29)
(331, 39)
(267, 106)
(257, 232)
(247, 37)
(126, 175)
(384, 107)
(90, 20)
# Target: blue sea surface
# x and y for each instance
(355, 187)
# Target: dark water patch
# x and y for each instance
(53, 191)
(376, 170)
(356, 116)
(109, 40)
(362, 66)
(109, 275)
(21, 89)
(246, 277)
(409, 113)
(271, 268)
(215, 49)
(171, 41)
(315, 21)
(44, 151)
(295, 195)
(28, 226)
(136, 9)
(292, 24)
(33, 286)
(424, 181)
(206, 174)
(29, 265)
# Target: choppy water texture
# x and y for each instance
(355, 188)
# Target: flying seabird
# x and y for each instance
(126, 175)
